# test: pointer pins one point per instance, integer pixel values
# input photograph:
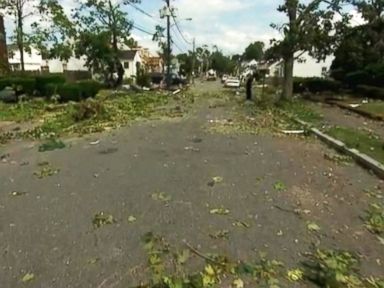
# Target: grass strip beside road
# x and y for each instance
(364, 142)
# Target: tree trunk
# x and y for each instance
(288, 77)
(20, 38)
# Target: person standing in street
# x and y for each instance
(248, 84)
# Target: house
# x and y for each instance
(32, 59)
(73, 64)
(131, 61)
(155, 64)
(309, 67)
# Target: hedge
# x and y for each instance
(19, 84)
(44, 80)
(370, 91)
(74, 91)
(315, 85)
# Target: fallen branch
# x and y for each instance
(196, 252)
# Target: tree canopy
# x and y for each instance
(254, 51)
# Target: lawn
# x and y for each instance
(376, 107)
(366, 143)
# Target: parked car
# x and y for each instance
(211, 75)
(224, 78)
(232, 82)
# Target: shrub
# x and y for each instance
(143, 79)
(376, 72)
(89, 88)
(88, 109)
(360, 77)
(20, 85)
(315, 85)
(370, 91)
(43, 81)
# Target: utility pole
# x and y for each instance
(169, 11)
(193, 60)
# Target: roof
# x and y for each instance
(127, 54)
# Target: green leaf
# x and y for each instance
(183, 256)
(219, 211)
(279, 186)
(311, 226)
(131, 219)
(28, 277)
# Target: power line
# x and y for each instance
(178, 29)
(178, 47)
(142, 30)
(141, 10)
(178, 37)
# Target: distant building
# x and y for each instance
(32, 59)
(131, 61)
(155, 64)
(310, 67)
(3, 48)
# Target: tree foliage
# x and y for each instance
(19, 10)
(254, 51)
(311, 28)
(106, 26)
(363, 45)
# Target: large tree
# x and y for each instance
(53, 35)
(19, 10)
(254, 51)
(362, 45)
(311, 28)
(109, 21)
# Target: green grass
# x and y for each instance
(373, 107)
(22, 112)
(301, 111)
(362, 141)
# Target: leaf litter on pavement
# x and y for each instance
(101, 219)
(46, 170)
(219, 211)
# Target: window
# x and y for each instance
(11, 54)
(126, 65)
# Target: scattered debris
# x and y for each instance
(295, 275)
(222, 234)
(241, 224)
(293, 132)
(28, 277)
(109, 150)
(219, 211)
(339, 159)
(93, 261)
(161, 196)
(100, 219)
(17, 193)
(329, 268)
(238, 283)
(374, 219)
(51, 144)
(131, 219)
(97, 142)
(313, 227)
(190, 148)
(279, 186)
(46, 171)
(215, 180)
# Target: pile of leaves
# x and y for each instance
(374, 219)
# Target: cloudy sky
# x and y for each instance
(229, 24)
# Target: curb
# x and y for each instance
(360, 158)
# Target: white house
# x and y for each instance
(73, 64)
(32, 59)
(309, 68)
(131, 61)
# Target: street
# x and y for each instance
(168, 177)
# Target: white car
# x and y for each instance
(232, 82)
(224, 78)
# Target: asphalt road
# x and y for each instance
(48, 230)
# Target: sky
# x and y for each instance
(230, 24)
